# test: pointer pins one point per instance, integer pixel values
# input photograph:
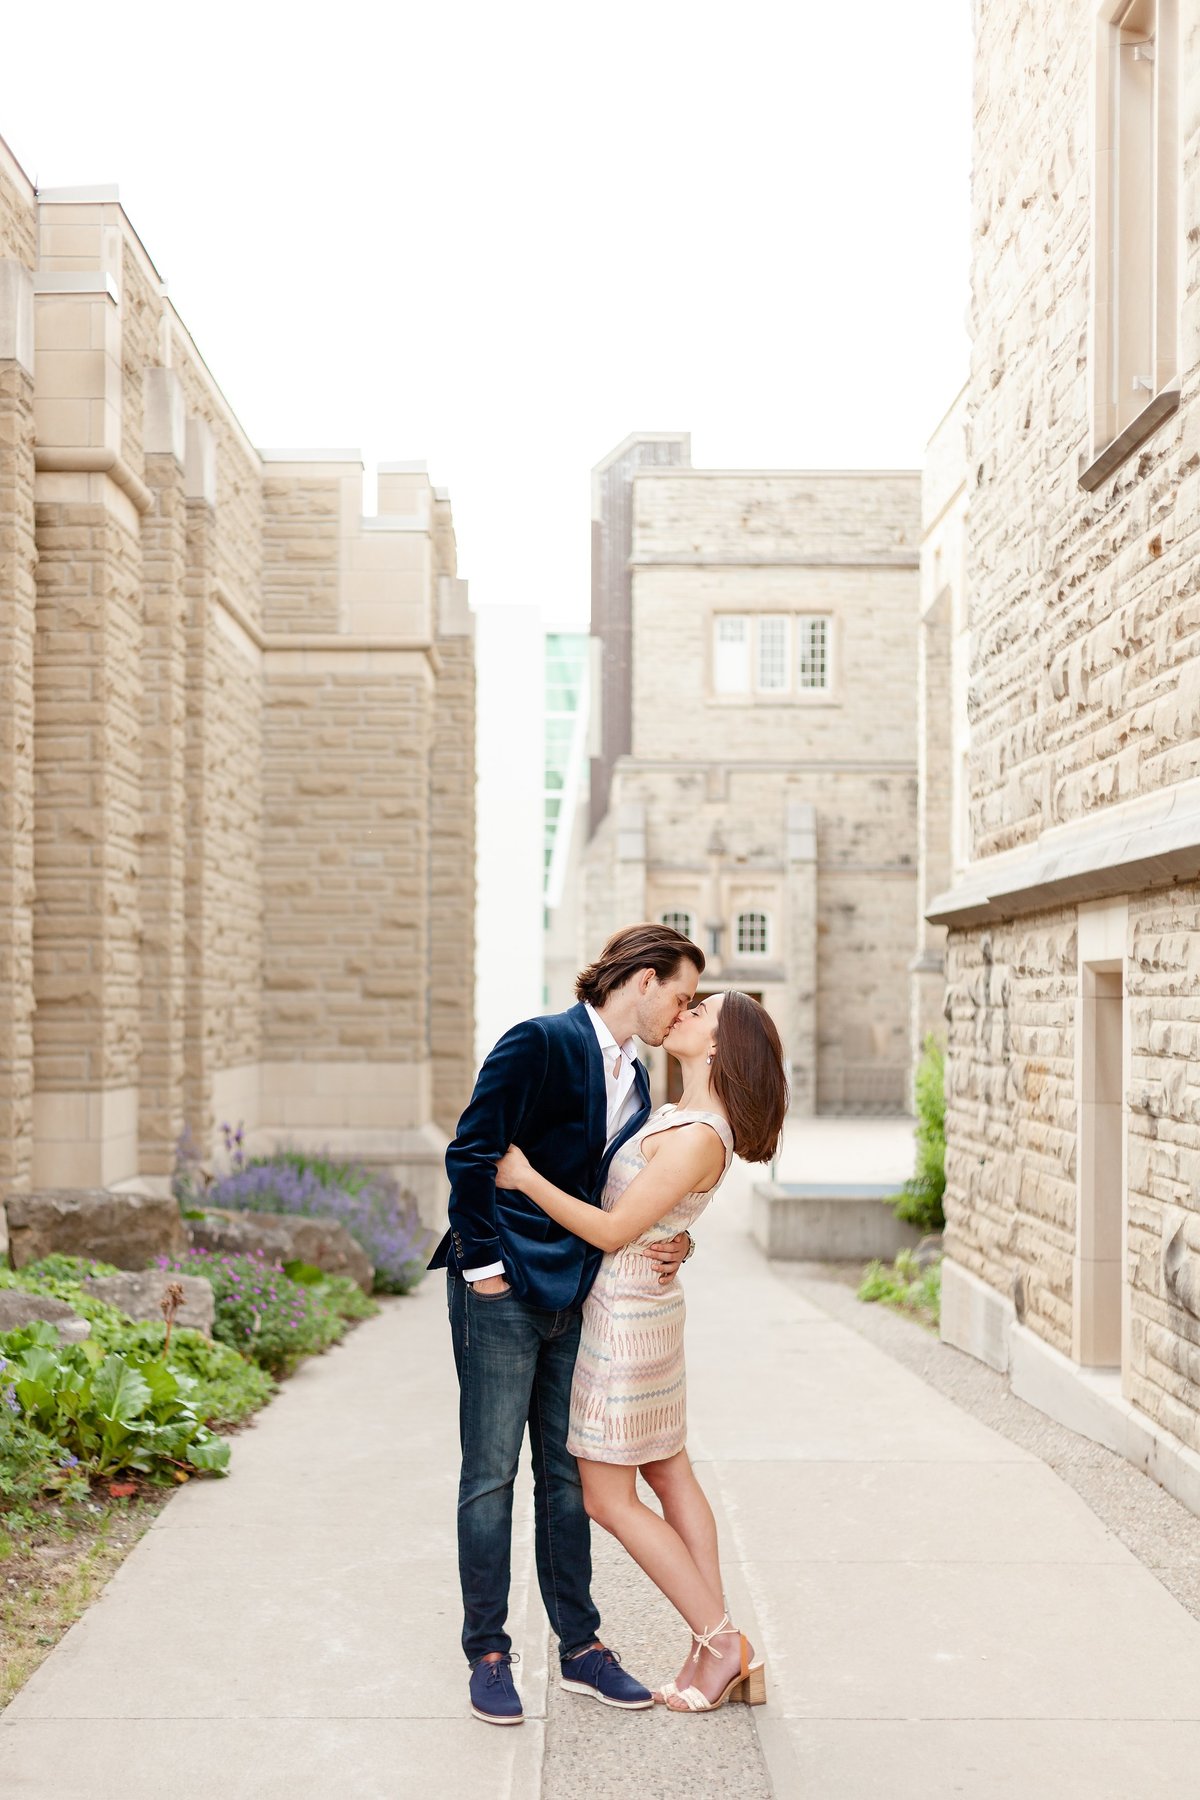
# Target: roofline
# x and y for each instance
(642, 437)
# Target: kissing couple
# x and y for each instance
(570, 1212)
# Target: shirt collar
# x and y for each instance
(604, 1036)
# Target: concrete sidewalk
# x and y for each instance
(941, 1614)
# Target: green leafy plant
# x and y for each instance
(919, 1201)
(228, 1386)
(31, 1464)
(110, 1412)
(906, 1286)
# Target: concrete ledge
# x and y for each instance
(977, 1319)
(828, 1221)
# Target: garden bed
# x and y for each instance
(96, 1434)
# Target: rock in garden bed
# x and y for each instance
(130, 1230)
(284, 1238)
(139, 1295)
(18, 1308)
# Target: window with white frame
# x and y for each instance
(1135, 289)
(679, 921)
(752, 934)
(770, 653)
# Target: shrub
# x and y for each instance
(919, 1201)
(110, 1412)
(376, 1211)
(260, 1311)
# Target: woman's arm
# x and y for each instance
(687, 1161)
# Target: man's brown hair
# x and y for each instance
(748, 1076)
(657, 947)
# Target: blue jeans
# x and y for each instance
(515, 1365)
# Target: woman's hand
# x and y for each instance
(514, 1169)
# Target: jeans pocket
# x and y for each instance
(504, 1294)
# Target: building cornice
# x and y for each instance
(1152, 841)
(87, 459)
(287, 643)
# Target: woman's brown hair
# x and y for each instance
(656, 947)
(748, 1076)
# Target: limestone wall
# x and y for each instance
(233, 722)
(1085, 675)
(1084, 701)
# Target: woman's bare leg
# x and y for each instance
(685, 1508)
(610, 1496)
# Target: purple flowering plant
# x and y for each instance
(260, 1311)
(376, 1211)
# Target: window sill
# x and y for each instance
(1102, 465)
(813, 697)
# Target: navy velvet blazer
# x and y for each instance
(542, 1088)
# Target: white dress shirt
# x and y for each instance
(618, 1075)
(620, 1091)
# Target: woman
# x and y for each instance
(628, 1402)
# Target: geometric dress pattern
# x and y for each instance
(629, 1395)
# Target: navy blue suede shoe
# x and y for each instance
(598, 1672)
(494, 1699)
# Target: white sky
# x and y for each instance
(502, 237)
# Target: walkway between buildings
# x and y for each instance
(942, 1615)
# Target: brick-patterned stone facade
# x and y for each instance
(798, 805)
(1073, 951)
(236, 749)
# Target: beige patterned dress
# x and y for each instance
(629, 1395)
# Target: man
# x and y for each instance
(569, 1090)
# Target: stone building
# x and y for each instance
(756, 777)
(1073, 931)
(236, 749)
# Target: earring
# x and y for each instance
(710, 1055)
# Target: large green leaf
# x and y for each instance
(209, 1453)
(120, 1391)
(35, 1397)
(39, 1364)
(162, 1383)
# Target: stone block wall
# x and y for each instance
(1084, 747)
(231, 716)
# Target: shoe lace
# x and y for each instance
(498, 1670)
(703, 1640)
